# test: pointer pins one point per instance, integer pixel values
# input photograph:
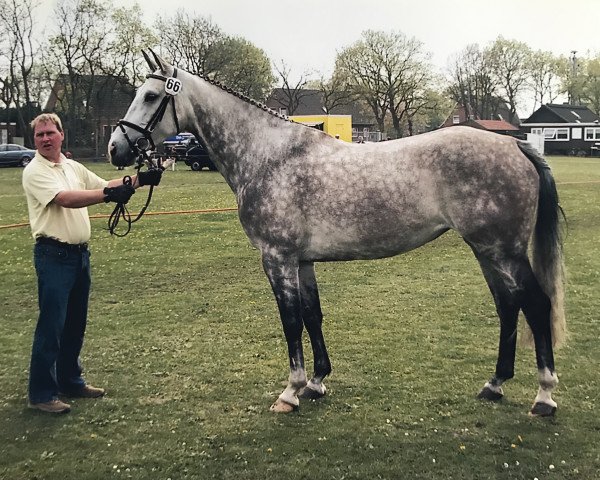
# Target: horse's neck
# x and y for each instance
(239, 136)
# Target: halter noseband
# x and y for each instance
(172, 88)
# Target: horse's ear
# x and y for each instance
(159, 61)
(149, 61)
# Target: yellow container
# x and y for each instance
(331, 124)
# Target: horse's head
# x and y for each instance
(151, 117)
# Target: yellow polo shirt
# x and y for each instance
(42, 181)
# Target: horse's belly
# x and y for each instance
(328, 244)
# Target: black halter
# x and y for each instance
(143, 144)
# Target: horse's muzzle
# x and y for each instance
(119, 154)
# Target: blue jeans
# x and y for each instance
(63, 292)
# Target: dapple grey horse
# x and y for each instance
(305, 197)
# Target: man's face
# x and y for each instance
(48, 140)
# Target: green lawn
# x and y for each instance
(185, 336)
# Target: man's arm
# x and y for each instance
(86, 198)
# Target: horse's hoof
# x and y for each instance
(489, 394)
(310, 394)
(283, 407)
(540, 409)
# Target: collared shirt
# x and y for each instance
(42, 181)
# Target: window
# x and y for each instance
(537, 131)
(576, 133)
(556, 134)
(455, 119)
(592, 133)
(283, 111)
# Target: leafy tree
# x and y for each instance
(574, 78)
(511, 61)
(242, 66)
(544, 76)
(390, 71)
(591, 93)
(199, 46)
(131, 36)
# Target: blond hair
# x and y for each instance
(45, 118)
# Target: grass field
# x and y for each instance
(184, 335)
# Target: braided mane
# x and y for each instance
(245, 98)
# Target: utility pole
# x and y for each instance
(572, 84)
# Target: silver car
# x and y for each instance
(16, 155)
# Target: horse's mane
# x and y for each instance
(245, 98)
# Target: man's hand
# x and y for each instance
(120, 194)
(151, 177)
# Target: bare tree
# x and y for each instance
(16, 20)
(76, 57)
(293, 92)
(472, 83)
(334, 92)
(188, 40)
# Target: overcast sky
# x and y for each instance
(307, 34)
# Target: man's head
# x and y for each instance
(48, 135)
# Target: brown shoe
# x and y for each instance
(87, 391)
(53, 406)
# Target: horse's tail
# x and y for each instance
(547, 255)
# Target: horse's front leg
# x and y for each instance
(283, 275)
(312, 317)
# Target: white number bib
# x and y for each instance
(172, 86)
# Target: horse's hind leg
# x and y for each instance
(313, 319)
(283, 275)
(515, 287)
(508, 306)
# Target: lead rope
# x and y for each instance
(121, 212)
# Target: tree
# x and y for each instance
(131, 36)
(334, 92)
(188, 40)
(18, 52)
(591, 93)
(292, 92)
(573, 78)
(390, 72)
(510, 61)
(239, 64)
(544, 71)
(76, 56)
(472, 82)
(197, 45)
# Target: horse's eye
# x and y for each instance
(150, 97)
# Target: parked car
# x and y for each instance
(15, 155)
(197, 158)
(186, 147)
(178, 144)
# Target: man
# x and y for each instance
(58, 190)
